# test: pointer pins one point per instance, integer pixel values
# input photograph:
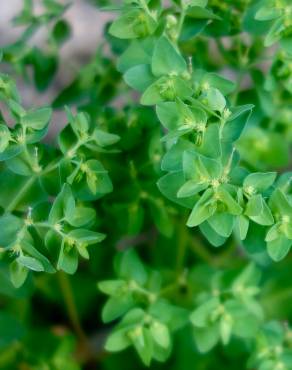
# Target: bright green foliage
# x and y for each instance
(202, 130)
(280, 12)
(148, 318)
(228, 310)
(175, 158)
(45, 235)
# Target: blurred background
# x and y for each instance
(86, 22)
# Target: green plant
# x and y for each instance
(190, 202)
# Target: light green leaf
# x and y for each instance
(259, 181)
(215, 99)
(279, 248)
(37, 119)
(4, 137)
(139, 77)
(118, 340)
(167, 59)
(103, 138)
(206, 338)
(190, 188)
(83, 236)
(225, 328)
(68, 259)
(160, 334)
(18, 274)
(242, 224)
(30, 262)
(200, 316)
(130, 267)
(203, 209)
(222, 223)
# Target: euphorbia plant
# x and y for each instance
(185, 188)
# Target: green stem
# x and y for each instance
(181, 22)
(182, 247)
(145, 7)
(201, 251)
(69, 301)
(12, 205)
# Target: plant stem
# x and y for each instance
(182, 247)
(69, 301)
(11, 206)
(201, 251)
(181, 22)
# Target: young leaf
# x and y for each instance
(167, 59)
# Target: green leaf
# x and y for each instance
(96, 184)
(103, 138)
(232, 206)
(19, 166)
(79, 123)
(279, 248)
(215, 99)
(214, 80)
(64, 205)
(279, 203)
(275, 33)
(68, 259)
(169, 186)
(266, 13)
(133, 24)
(16, 109)
(167, 59)
(225, 328)
(113, 287)
(83, 236)
(139, 52)
(166, 89)
(38, 119)
(206, 338)
(160, 334)
(200, 316)
(168, 114)
(199, 12)
(203, 209)
(201, 3)
(249, 276)
(143, 344)
(210, 234)
(117, 340)
(30, 262)
(273, 233)
(61, 31)
(18, 274)
(5, 137)
(116, 307)
(265, 217)
(222, 223)
(81, 216)
(10, 225)
(191, 187)
(130, 267)
(260, 181)
(33, 252)
(199, 167)
(254, 206)
(139, 77)
(242, 225)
